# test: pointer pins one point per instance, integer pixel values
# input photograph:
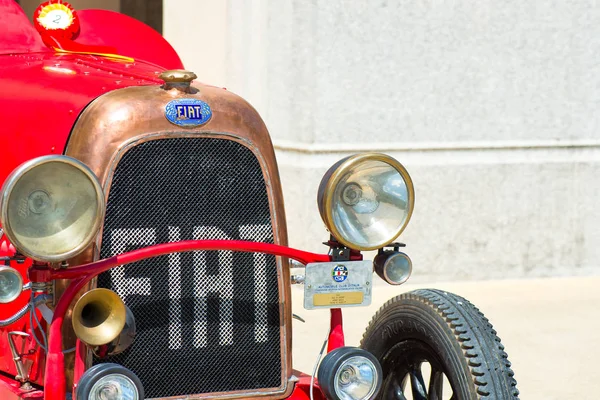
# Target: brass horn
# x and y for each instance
(121, 342)
(99, 317)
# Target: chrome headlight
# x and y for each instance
(393, 267)
(11, 284)
(109, 381)
(366, 200)
(52, 208)
(350, 373)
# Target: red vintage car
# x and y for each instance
(144, 239)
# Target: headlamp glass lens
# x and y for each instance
(11, 284)
(114, 387)
(398, 268)
(44, 208)
(370, 204)
(52, 207)
(356, 379)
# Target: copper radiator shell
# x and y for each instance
(126, 117)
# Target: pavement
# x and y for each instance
(550, 327)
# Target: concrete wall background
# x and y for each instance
(492, 107)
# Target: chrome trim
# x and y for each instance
(22, 373)
(19, 277)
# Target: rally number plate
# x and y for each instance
(338, 284)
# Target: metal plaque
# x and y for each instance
(338, 284)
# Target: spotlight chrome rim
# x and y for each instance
(5, 268)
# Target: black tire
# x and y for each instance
(449, 333)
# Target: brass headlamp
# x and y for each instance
(366, 200)
(51, 208)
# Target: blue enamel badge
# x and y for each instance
(188, 112)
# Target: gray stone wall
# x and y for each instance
(492, 107)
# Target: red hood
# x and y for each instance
(44, 93)
(17, 34)
(125, 35)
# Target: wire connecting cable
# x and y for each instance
(32, 316)
(314, 372)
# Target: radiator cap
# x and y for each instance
(177, 79)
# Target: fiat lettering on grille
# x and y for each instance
(125, 286)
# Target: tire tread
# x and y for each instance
(478, 341)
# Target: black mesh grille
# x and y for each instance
(206, 321)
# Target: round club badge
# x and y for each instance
(339, 273)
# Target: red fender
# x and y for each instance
(127, 35)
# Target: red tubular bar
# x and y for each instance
(54, 378)
(336, 333)
(43, 274)
(80, 362)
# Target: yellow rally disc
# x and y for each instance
(55, 16)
